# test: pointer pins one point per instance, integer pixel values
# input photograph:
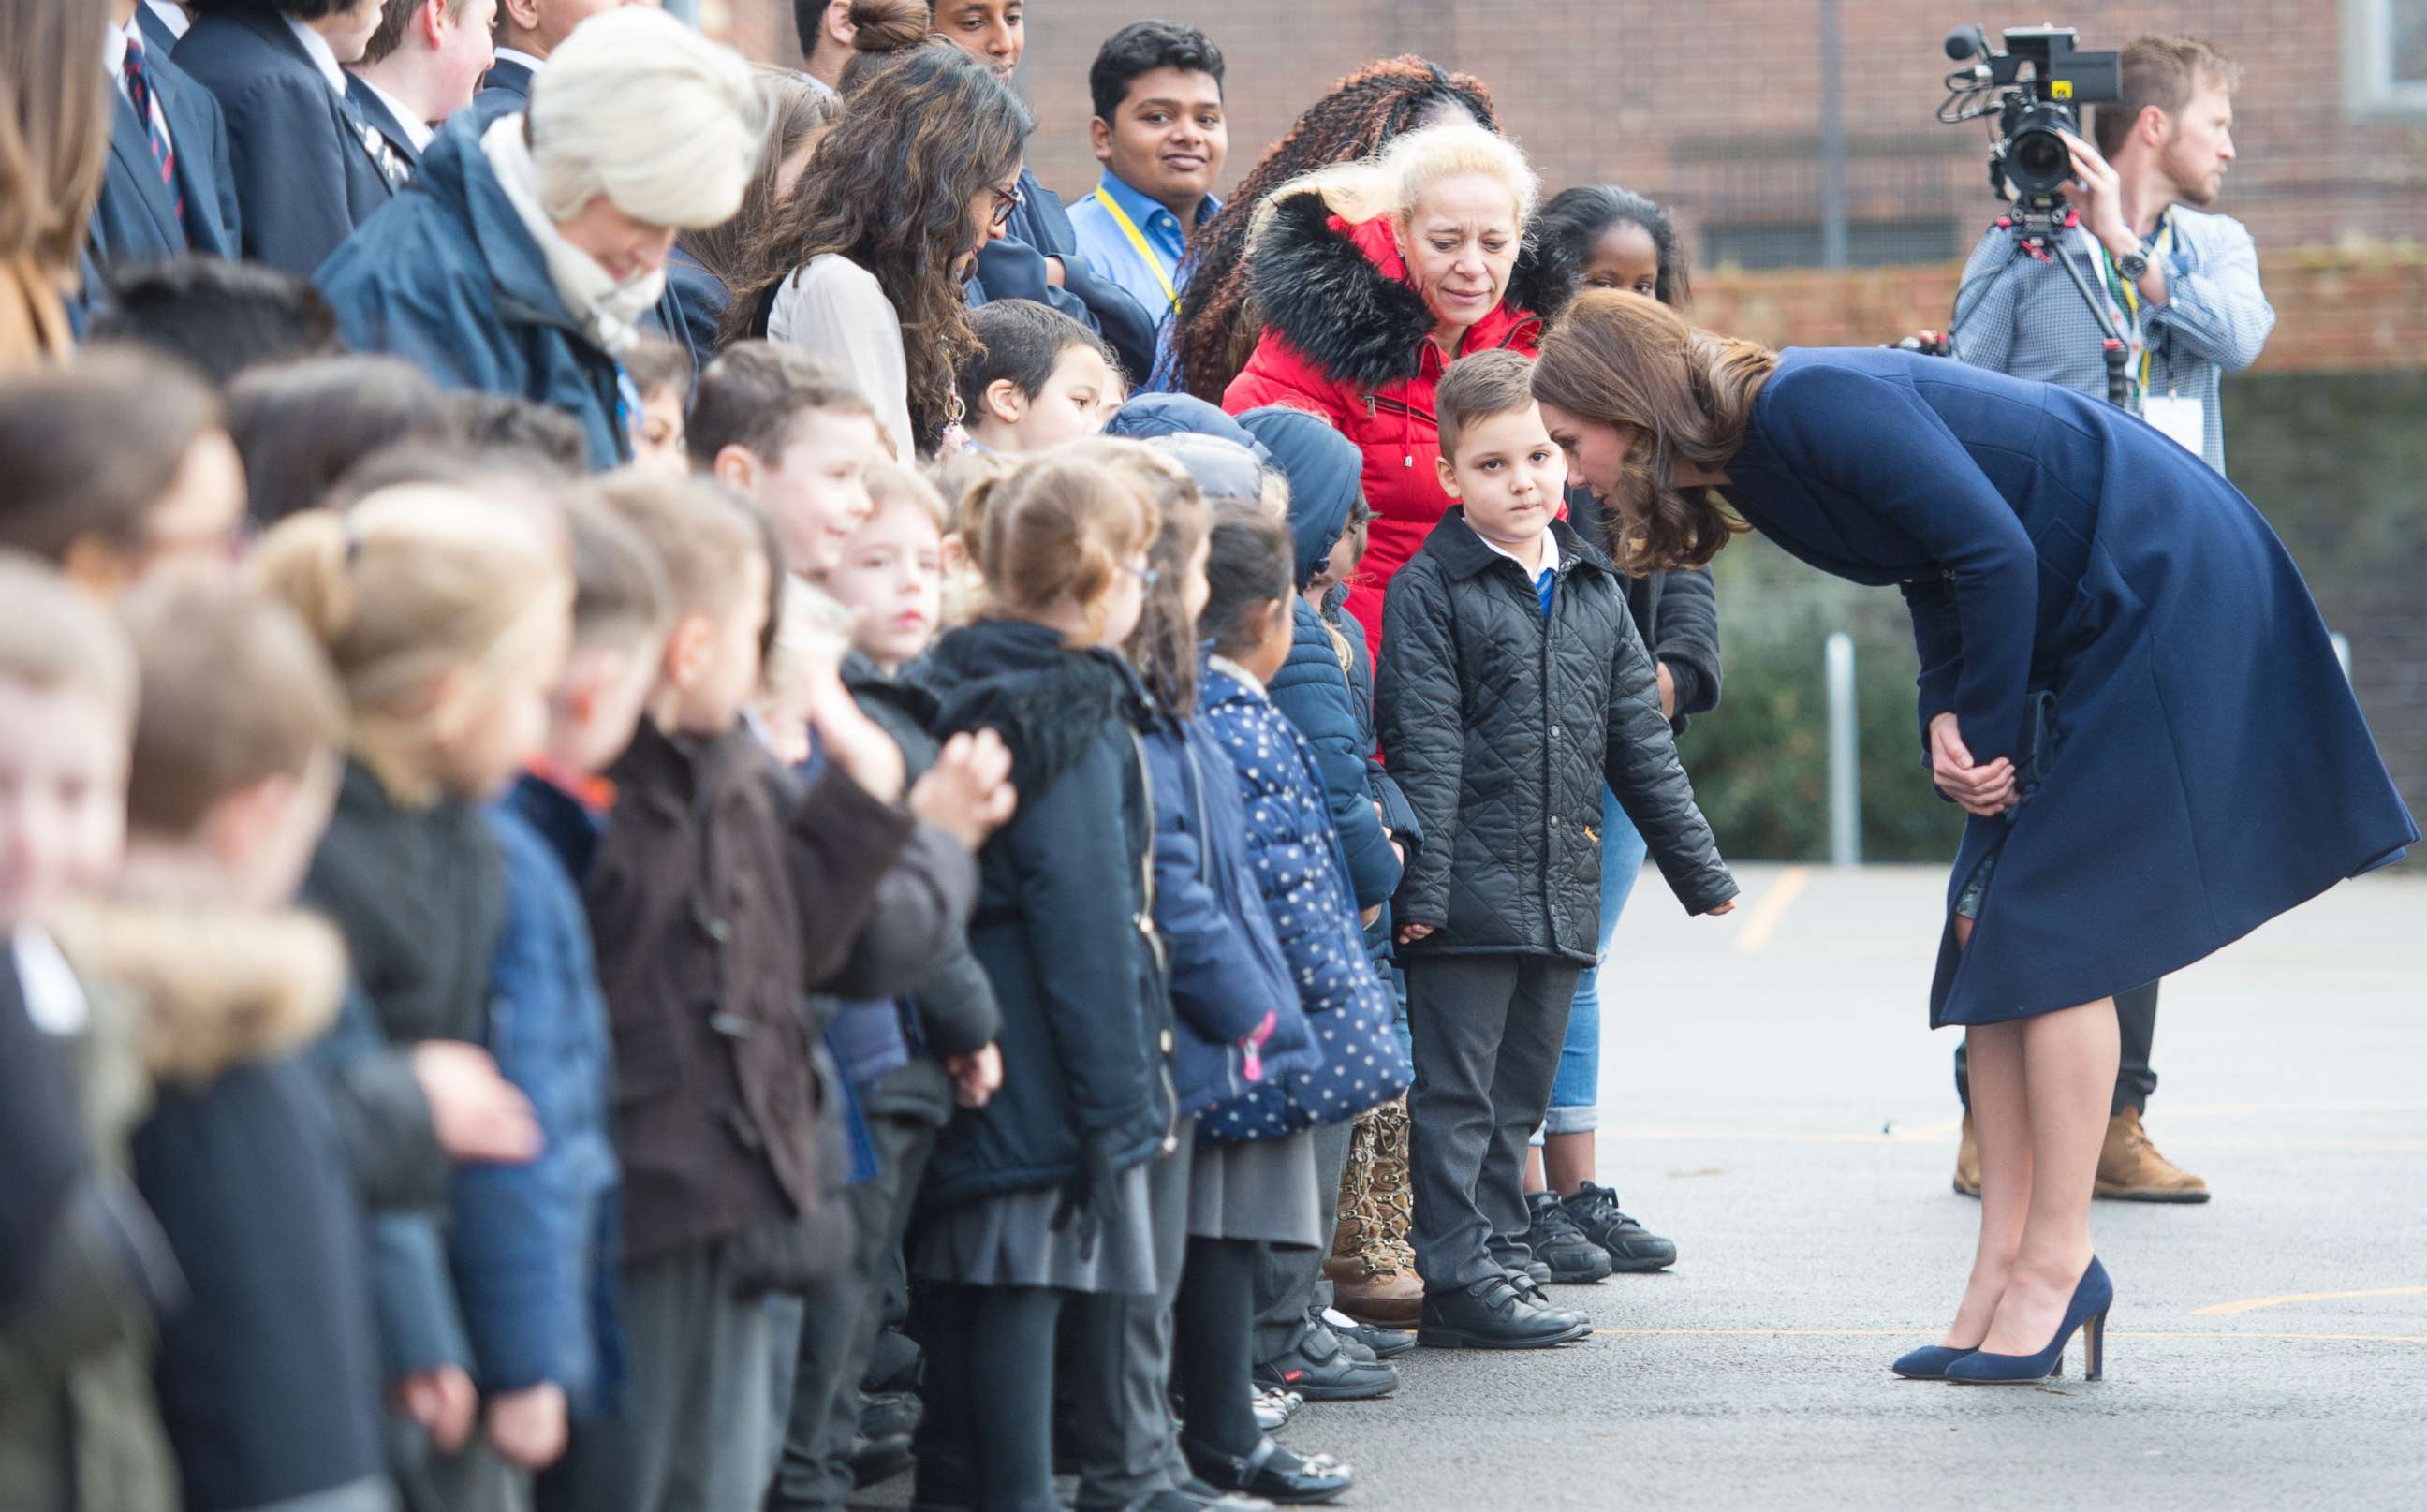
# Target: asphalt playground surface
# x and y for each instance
(1774, 1102)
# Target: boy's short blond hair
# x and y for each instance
(891, 486)
(703, 534)
(236, 691)
(52, 637)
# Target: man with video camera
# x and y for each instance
(2180, 287)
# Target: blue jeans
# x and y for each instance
(1575, 1093)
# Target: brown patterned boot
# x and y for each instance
(1374, 1279)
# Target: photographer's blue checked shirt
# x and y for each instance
(2024, 318)
(1136, 242)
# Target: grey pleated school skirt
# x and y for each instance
(1265, 1191)
(1009, 1240)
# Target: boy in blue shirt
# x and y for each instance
(1161, 135)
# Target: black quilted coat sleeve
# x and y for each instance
(1651, 786)
(1417, 716)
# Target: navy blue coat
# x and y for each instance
(692, 308)
(305, 178)
(2097, 604)
(1062, 925)
(533, 1245)
(137, 218)
(1304, 878)
(1226, 964)
(448, 279)
(1012, 268)
(1311, 688)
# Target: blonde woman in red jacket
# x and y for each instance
(1372, 277)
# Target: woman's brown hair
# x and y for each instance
(796, 111)
(53, 129)
(890, 187)
(1682, 395)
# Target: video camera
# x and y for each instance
(2035, 89)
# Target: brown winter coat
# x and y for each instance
(720, 895)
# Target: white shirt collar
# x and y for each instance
(113, 53)
(172, 16)
(515, 54)
(819, 86)
(324, 57)
(1550, 551)
(416, 129)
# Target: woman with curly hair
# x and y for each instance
(864, 265)
(1358, 117)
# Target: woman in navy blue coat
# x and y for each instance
(2124, 681)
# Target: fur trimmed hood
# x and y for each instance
(1339, 293)
(212, 988)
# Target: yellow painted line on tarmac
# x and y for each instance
(1823, 1136)
(1909, 1333)
(2228, 1310)
(1762, 918)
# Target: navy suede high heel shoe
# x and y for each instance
(2086, 1311)
(1929, 1362)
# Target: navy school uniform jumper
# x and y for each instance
(304, 175)
(2097, 604)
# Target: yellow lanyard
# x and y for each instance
(2131, 295)
(1137, 239)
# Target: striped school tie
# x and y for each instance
(155, 121)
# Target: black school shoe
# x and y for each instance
(1497, 1312)
(1632, 1247)
(877, 1460)
(1381, 1343)
(1573, 1257)
(1272, 1472)
(1316, 1368)
(1196, 1496)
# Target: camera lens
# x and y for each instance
(2041, 161)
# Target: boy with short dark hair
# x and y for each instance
(115, 465)
(1040, 380)
(778, 426)
(1512, 686)
(218, 317)
(1162, 135)
(661, 372)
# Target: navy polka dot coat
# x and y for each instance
(1303, 875)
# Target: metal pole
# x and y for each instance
(2342, 653)
(1845, 770)
(1833, 142)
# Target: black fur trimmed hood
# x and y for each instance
(1047, 702)
(1320, 288)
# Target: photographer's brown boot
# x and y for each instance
(1968, 1163)
(2132, 1170)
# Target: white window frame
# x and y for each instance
(2369, 90)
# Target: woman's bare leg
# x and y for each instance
(2002, 1129)
(2068, 1062)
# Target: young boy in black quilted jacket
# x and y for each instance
(1512, 686)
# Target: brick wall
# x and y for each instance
(2337, 309)
(1712, 105)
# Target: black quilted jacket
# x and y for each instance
(1501, 725)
